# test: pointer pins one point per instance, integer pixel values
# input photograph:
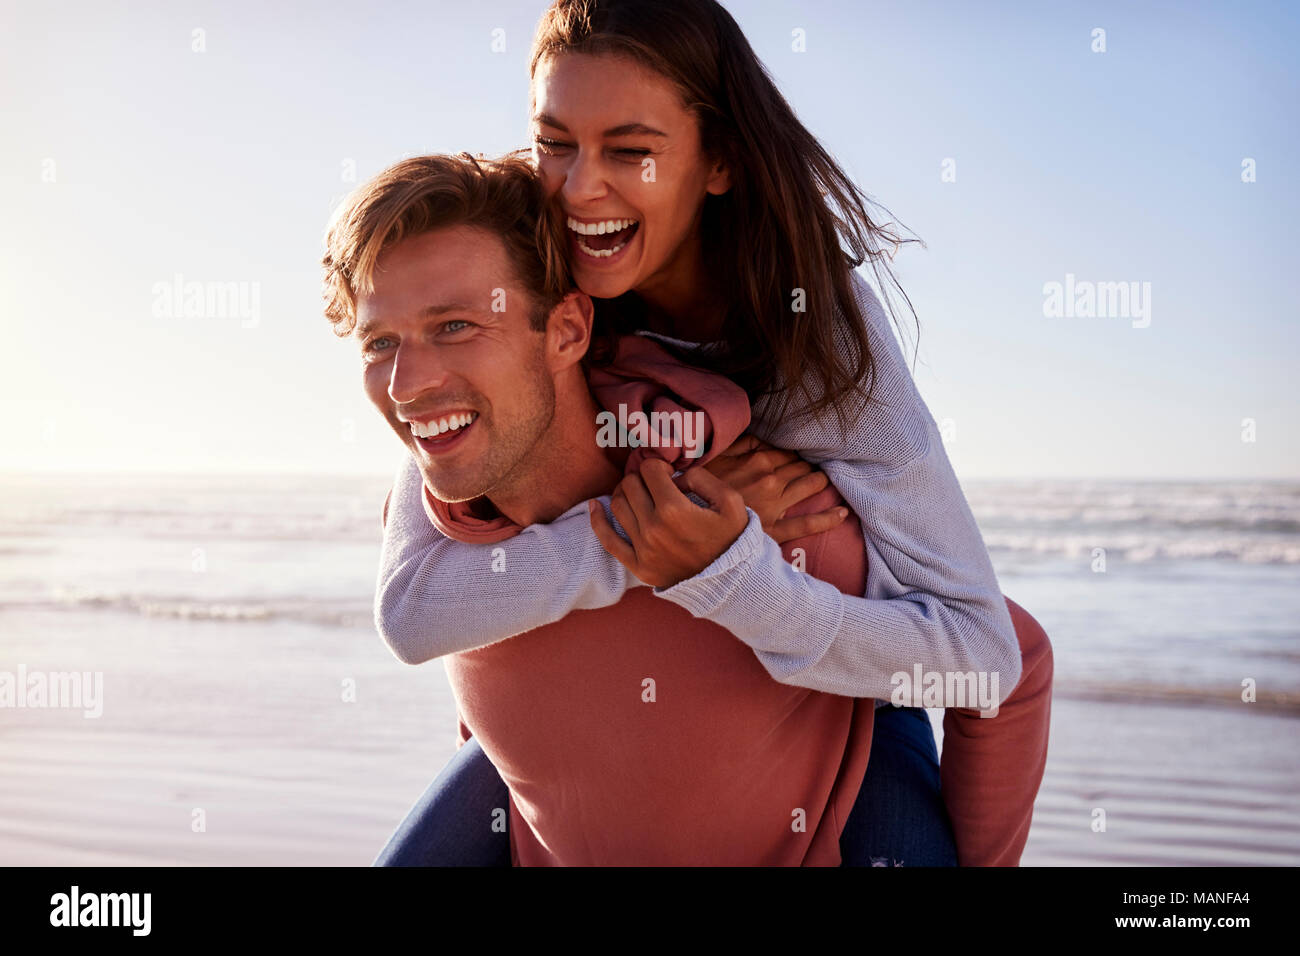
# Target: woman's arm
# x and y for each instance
(932, 597)
(932, 607)
(437, 596)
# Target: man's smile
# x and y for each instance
(441, 434)
(432, 425)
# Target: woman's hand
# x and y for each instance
(772, 480)
(672, 537)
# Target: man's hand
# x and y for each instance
(772, 480)
(672, 537)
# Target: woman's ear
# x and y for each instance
(719, 179)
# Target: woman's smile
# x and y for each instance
(600, 243)
(617, 150)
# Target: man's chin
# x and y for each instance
(451, 490)
(450, 494)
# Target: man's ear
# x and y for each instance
(568, 330)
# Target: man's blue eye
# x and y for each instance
(373, 344)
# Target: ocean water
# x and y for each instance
(1162, 590)
(230, 548)
(231, 619)
(1175, 591)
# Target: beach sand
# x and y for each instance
(246, 724)
(1179, 786)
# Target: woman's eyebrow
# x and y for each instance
(627, 129)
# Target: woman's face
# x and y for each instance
(613, 143)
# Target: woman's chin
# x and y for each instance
(600, 285)
(607, 276)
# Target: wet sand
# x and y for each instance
(248, 724)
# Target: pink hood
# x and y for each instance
(643, 377)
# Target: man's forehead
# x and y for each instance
(435, 273)
(461, 254)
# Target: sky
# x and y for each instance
(151, 144)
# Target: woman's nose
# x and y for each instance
(584, 179)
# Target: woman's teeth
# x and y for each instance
(602, 228)
(600, 253)
(599, 228)
(445, 424)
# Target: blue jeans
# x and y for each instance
(898, 818)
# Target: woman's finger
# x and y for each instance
(742, 446)
(618, 504)
(633, 487)
(770, 459)
(721, 497)
(754, 468)
(796, 469)
(759, 467)
(609, 538)
(658, 477)
(802, 488)
(788, 529)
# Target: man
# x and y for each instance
(633, 733)
(625, 730)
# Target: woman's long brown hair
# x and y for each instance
(791, 220)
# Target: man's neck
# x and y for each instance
(566, 466)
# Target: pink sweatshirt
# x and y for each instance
(637, 734)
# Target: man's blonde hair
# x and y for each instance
(424, 193)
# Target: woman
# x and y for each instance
(703, 213)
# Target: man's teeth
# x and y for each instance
(445, 424)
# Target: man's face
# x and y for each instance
(435, 353)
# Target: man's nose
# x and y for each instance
(417, 367)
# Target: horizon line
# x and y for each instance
(387, 475)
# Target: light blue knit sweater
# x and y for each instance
(932, 597)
